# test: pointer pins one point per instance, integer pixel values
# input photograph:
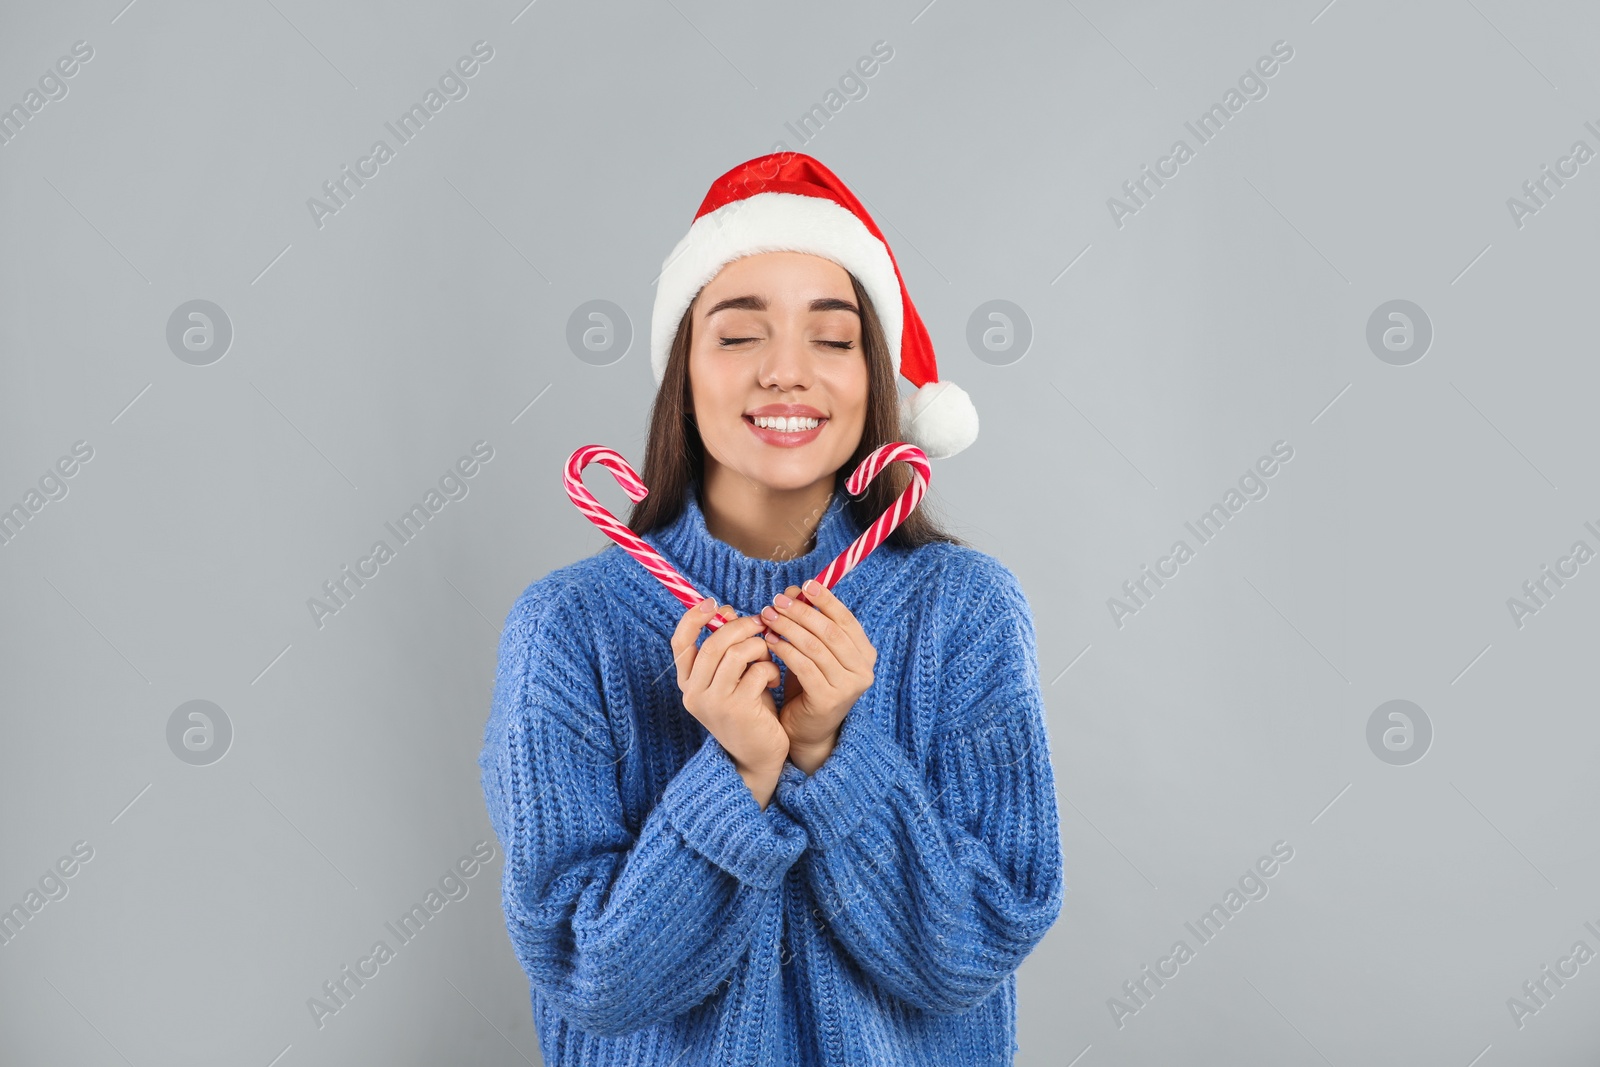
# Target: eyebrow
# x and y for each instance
(757, 303)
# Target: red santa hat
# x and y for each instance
(789, 202)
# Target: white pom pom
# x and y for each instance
(939, 419)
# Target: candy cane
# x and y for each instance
(884, 525)
(842, 564)
(631, 542)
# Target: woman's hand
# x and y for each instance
(727, 684)
(830, 663)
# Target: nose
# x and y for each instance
(785, 363)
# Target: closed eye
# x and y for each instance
(727, 342)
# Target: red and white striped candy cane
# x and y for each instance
(609, 525)
(841, 565)
(884, 525)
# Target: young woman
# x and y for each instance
(825, 833)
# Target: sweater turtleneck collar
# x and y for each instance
(718, 569)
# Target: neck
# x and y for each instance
(761, 522)
(717, 568)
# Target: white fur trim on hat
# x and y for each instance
(773, 222)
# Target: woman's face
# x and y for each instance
(777, 334)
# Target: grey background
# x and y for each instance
(432, 312)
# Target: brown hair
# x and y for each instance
(675, 455)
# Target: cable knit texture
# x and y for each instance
(874, 913)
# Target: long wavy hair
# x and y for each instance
(675, 454)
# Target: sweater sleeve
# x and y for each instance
(939, 883)
(619, 931)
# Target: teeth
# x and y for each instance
(791, 425)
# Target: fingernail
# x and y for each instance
(812, 586)
(781, 600)
(708, 605)
(768, 613)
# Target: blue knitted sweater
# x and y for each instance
(874, 913)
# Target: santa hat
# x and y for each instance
(789, 202)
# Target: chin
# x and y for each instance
(787, 481)
(778, 475)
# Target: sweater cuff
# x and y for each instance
(829, 804)
(712, 808)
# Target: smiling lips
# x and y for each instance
(785, 438)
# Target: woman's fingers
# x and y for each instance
(800, 665)
(834, 626)
(823, 599)
(684, 653)
(822, 643)
(737, 658)
(820, 638)
(724, 645)
(724, 680)
(683, 637)
(757, 676)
